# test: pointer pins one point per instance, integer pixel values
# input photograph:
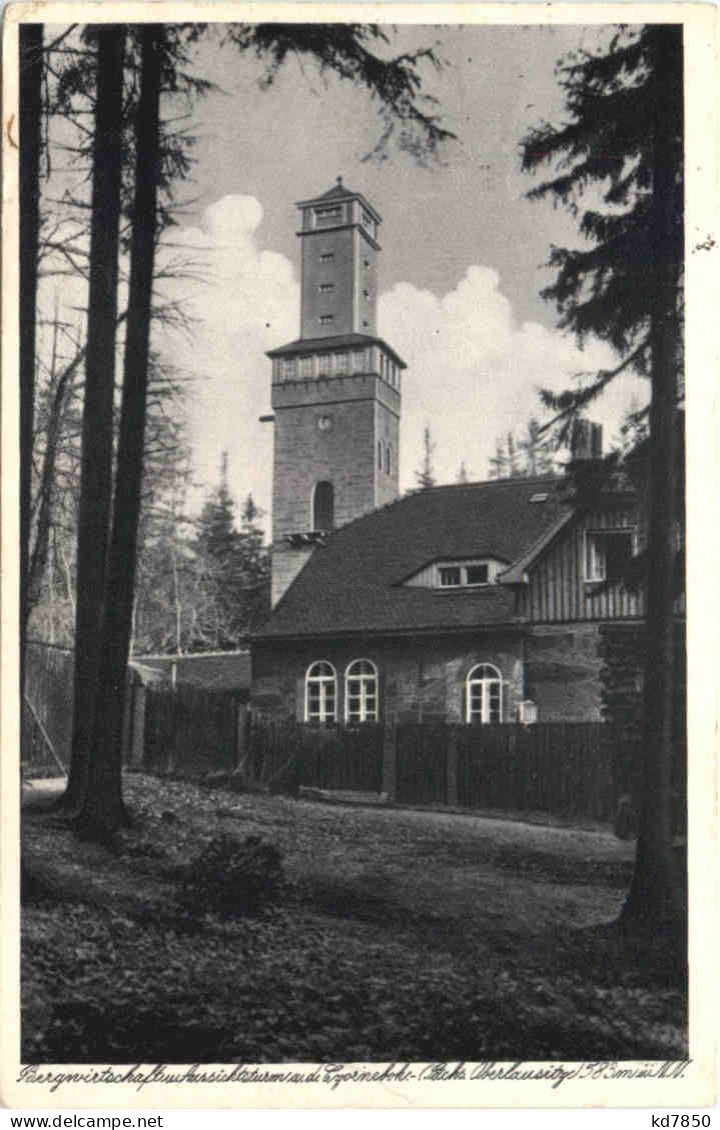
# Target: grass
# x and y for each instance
(400, 935)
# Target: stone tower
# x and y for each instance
(335, 389)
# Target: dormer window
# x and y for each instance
(449, 576)
(465, 574)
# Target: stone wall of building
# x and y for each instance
(423, 679)
(563, 672)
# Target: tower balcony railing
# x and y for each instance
(347, 363)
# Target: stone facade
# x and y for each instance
(422, 678)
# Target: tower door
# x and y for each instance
(323, 506)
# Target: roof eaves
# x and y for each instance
(516, 574)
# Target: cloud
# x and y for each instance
(246, 303)
(473, 370)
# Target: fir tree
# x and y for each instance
(425, 475)
(624, 140)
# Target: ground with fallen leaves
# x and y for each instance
(400, 935)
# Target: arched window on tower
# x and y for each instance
(323, 506)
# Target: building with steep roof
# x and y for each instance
(477, 602)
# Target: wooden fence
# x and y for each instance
(329, 757)
(191, 731)
(573, 768)
(47, 710)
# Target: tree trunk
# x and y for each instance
(102, 812)
(31, 65)
(97, 430)
(654, 901)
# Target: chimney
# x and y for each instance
(586, 440)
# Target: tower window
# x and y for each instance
(366, 264)
(287, 369)
(340, 362)
(307, 366)
(327, 257)
(326, 319)
(365, 323)
(388, 459)
(380, 453)
(326, 288)
(323, 506)
(366, 294)
(329, 215)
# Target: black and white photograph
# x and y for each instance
(348, 386)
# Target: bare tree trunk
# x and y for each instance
(44, 499)
(31, 65)
(654, 900)
(103, 812)
(97, 437)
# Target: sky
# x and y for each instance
(462, 257)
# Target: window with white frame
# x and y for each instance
(287, 368)
(466, 574)
(607, 553)
(307, 367)
(321, 692)
(361, 692)
(483, 694)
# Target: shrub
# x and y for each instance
(231, 876)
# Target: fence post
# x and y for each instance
(389, 760)
(241, 734)
(137, 754)
(451, 765)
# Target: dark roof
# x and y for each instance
(228, 670)
(337, 190)
(311, 344)
(340, 191)
(354, 583)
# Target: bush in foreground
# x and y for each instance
(232, 877)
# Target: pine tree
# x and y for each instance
(534, 446)
(624, 138)
(425, 475)
(513, 467)
(498, 462)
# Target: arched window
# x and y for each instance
(321, 692)
(388, 459)
(484, 694)
(323, 506)
(361, 692)
(380, 459)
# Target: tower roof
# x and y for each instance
(340, 191)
